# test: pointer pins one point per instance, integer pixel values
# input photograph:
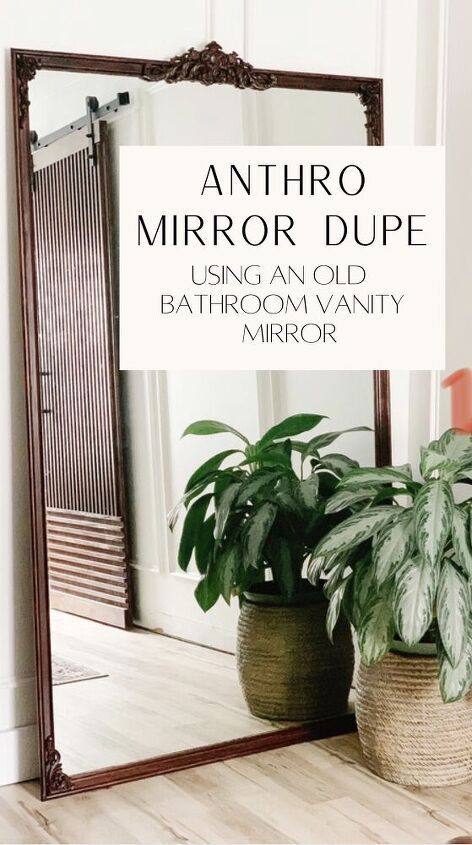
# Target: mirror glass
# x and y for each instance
(140, 670)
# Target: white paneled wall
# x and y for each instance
(372, 37)
(346, 397)
(331, 37)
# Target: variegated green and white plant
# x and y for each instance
(248, 510)
(399, 564)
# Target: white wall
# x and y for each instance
(443, 115)
(366, 37)
(457, 132)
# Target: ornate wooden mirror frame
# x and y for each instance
(208, 66)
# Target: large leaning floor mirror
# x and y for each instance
(149, 658)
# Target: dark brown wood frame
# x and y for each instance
(211, 65)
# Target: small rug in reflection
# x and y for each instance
(67, 672)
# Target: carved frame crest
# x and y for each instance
(210, 66)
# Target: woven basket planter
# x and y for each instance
(288, 669)
(408, 735)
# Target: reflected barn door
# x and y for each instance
(83, 468)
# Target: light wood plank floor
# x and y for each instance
(311, 793)
(161, 695)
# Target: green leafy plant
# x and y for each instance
(258, 513)
(399, 564)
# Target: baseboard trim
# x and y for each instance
(18, 755)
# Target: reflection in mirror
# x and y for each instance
(140, 670)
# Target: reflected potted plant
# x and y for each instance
(399, 567)
(252, 522)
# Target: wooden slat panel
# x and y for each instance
(88, 587)
(76, 360)
(105, 520)
(84, 522)
(81, 421)
(99, 611)
(89, 571)
(68, 550)
(99, 597)
(89, 566)
(58, 540)
(58, 571)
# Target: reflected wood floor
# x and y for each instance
(314, 793)
(161, 695)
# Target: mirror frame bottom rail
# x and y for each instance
(204, 755)
(208, 66)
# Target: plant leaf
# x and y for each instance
(205, 544)
(355, 529)
(337, 573)
(187, 498)
(272, 455)
(388, 493)
(433, 510)
(456, 446)
(334, 607)
(453, 611)
(461, 539)
(288, 503)
(455, 682)
(286, 495)
(345, 498)
(256, 532)
(315, 568)
(253, 484)
(413, 599)
(393, 545)
(376, 475)
(308, 489)
(375, 633)
(207, 591)
(282, 567)
(431, 461)
(291, 426)
(207, 469)
(463, 473)
(366, 589)
(348, 600)
(339, 464)
(223, 508)
(173, 515)
(228, 566)
(212, 427)
(323, 440)
(191, 529)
